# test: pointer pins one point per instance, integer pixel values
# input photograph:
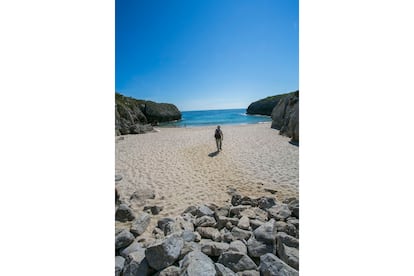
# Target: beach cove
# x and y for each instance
(178, 167)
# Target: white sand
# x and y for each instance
(176, 163)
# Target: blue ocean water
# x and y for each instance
(217, 117)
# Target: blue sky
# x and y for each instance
(210, 54)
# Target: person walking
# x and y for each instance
(219, 138)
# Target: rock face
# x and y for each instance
(134, 116)
(264, 106)
(285, 116)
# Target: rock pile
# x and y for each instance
(253, 236)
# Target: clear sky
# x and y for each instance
(210, 54)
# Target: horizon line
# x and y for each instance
(217, 109)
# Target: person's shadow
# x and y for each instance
(213, 154)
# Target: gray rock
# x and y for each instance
(293, 221)
(221, 270)
(222, 221)
(161, 112)
(197, 263)
(227, 237)
(248, 201)
(134, 246)
(240, 234)
(186, 223)
(161, 223)
(295, 212)
(280, 211)
(235, 199)
(203, 210)
(124, 213)
(123, 239)
(154, 209)
(282, 237)
(236, 210)
(158, 233)
(289, 255)
(255, 213)
(222, 211)
(170, 271)
(140, 224)
(267, 232)
(119, 265)
(213, 249)
(209, 233)
(189, 247)
(254, 223)
(237, 261)
(258, 248)
(142, 194)
(248, 273)
(172, 227)
(188, 236)
(266, 202)
(288, 228)
(205, 221)
(164, 253)
(238, 246)
(244, 223)
(191, 210)
(136, 264)
(271, 265)
(285, 116)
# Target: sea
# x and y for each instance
(217, 117)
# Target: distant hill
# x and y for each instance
(266, 105)
(133, 116)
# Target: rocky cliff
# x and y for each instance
(264, 106)
(285, 116)
(134, 116)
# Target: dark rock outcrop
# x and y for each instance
(285, 116)
(133, 116)
(264, 106)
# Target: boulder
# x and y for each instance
(280, 211)
(140, 224)
(119, 265)
(238, 246)
(124, 213)
(188, 236)
(169, 271)
(154, 209)
(254, 223)
(136, 264)
(244, 223)
(205, 221)
(266, 202)
(203, 210)
(161, 223)
(123, 239)
(288, 240)
(271, 265)
(164, 253)
(258, 248)
(248, 273)
(222, 211)
(190, 209)
(263, 240)
(209, 233)
(289, 255)
(221, 270)
(288, 228)
(236, 210)
(186, 222)
(213, 249)
(141, 195)
(240, 234)
(293, 221)
(255, 213)
(172, 227)
(236, 261)
(134, 246)
(189, 247)
(197, 263)
(222, 221)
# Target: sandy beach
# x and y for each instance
(179, 167)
